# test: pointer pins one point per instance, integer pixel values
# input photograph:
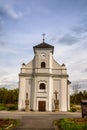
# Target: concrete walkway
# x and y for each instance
(37, 120)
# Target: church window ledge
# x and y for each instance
(42, 91)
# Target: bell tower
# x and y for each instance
(43, 69)
(43, 55)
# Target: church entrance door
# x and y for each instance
(42, 106)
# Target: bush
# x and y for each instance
(8, 124)
(72, 109)
(12, 107)
(72, 124)
(8, 107)
(3, 108)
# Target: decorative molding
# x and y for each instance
(44, 74)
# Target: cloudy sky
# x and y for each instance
(22, 23)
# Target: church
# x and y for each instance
(44, 81)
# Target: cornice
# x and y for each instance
(43, 74)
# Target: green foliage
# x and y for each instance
(8, 99)
(3, 108)
(69, 124)
(3, 95)
(8, 107)
(77, 97)
(14, 107)
(72, 109)
(8, 96)
(8, 124)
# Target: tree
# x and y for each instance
(3, 95)
(76, 87)
(8, 96)
(76, 98)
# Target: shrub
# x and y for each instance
(8, 124)
(73, 109)
(73, 124)
(3, 108)
(13, 107)
(8, 107)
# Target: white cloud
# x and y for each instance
(12, 13)
(9, 11)
(75, 58)
(8, 78)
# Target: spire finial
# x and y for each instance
(43, 37)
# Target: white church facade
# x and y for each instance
(41, 78)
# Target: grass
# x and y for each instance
(8, 107)
(3, 108)
(8, 124)
(71, 124)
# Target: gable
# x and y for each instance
(30, 64)
(56, 65)
(43, 45)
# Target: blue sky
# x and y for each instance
(22, 23)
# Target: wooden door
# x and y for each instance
(42, 106)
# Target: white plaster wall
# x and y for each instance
(21, 100)
(50, 94)
(56, 87)
(28, 90)
(50, 62)
(34, 92)
(63, 95)
(68, 97)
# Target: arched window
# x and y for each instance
(43, 65)
(42, 86)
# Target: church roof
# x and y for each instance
(44, 45)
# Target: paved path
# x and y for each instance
(37, 120)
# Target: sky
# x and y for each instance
(22, 23)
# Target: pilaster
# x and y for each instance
(50, 93)
(21, 100)
(64, 95)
